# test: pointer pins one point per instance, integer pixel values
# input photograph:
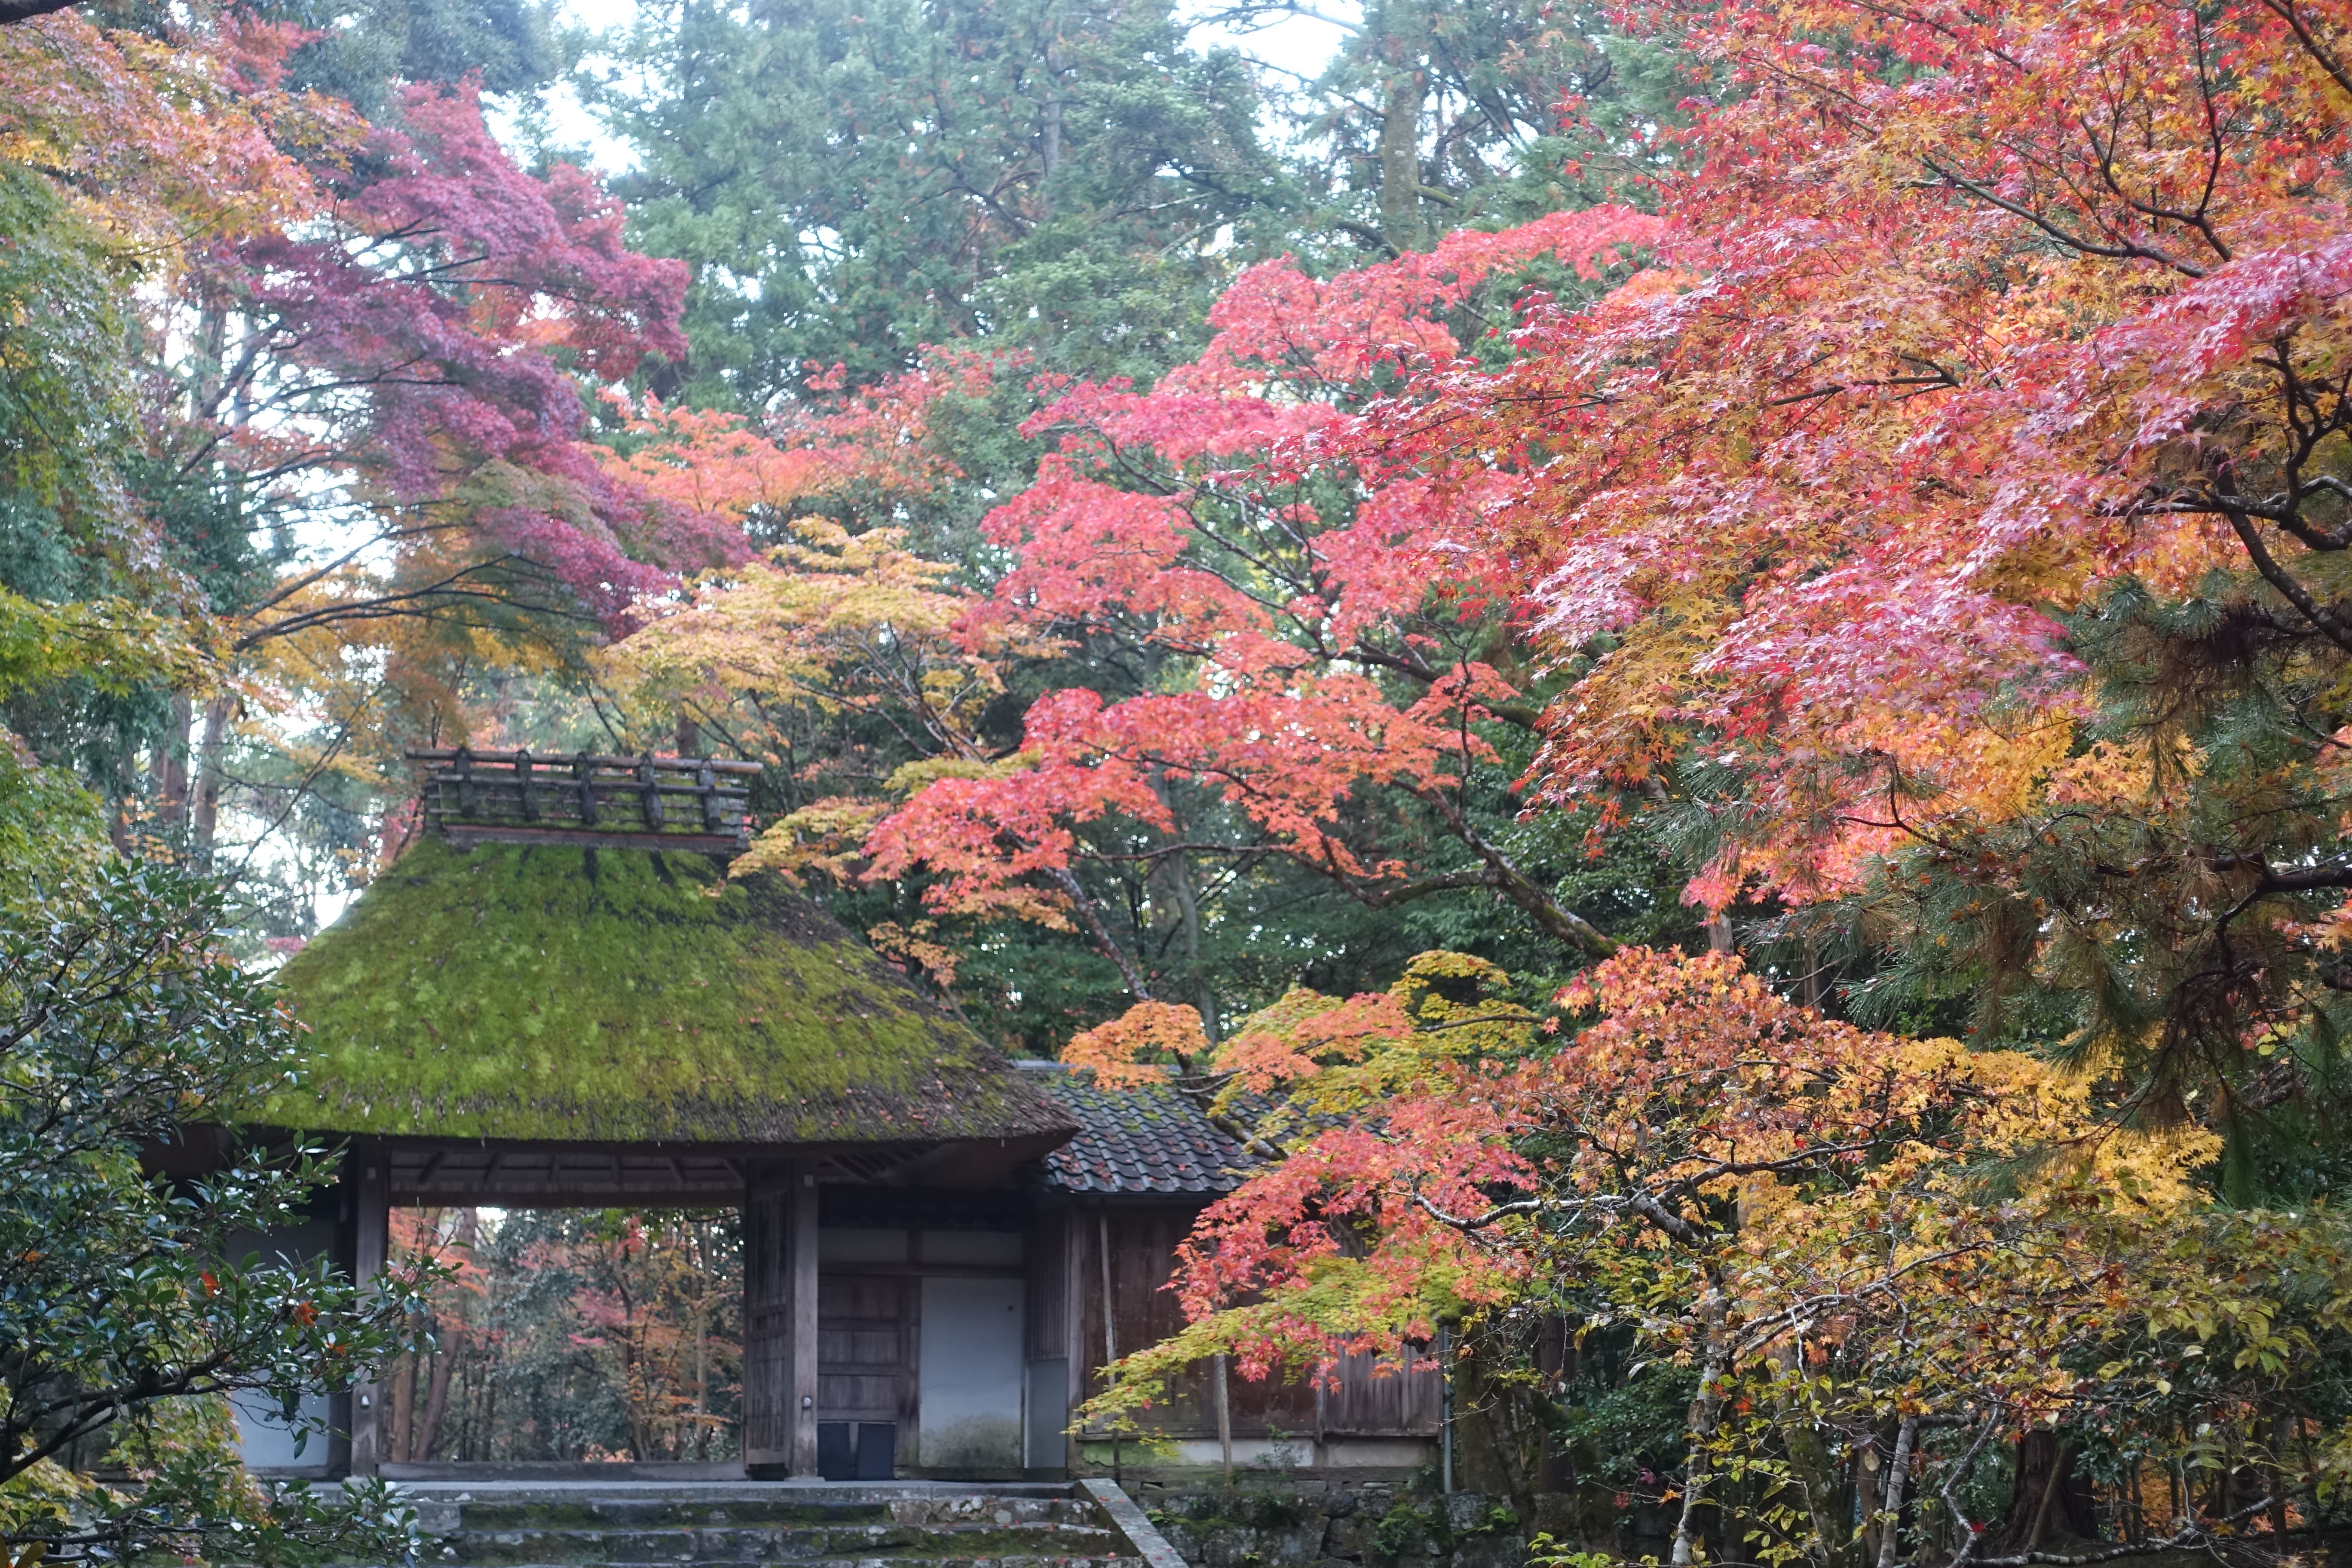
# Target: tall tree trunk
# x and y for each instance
(1555, 1362)
(1868, 1470)
(404, 1409)
(1399, 42)
(436, 1394)
(1897, 1476)
(2049, 1501)
(1049, 137)
(212, 760)
(126, 794)
(1401, 156)
(171, 767)
(1808, 1459)
(1486, 1457)
(1705, 1412)
(2274, 1474)
(445, 1356)
(701, 1234)
(489, 1448)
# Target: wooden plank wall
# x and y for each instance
(1376, 1400)
(1368, 1401)
(1051, 1286)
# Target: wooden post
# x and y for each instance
(1225, 1415)
(706, 785)
(805, 1294)
(1323, 1417)
(372, 1223)
(1110, 1322)
(649, 792)
(1446, 1408)
(584, 772)
(767, 1434)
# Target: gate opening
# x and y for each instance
(568, 1335)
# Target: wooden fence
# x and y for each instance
(642, 802)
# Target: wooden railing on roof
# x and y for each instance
(642, 802)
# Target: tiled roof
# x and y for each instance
(1146, 1139)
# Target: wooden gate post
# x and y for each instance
(767, 1434)
(805, 1330)
(371, 1241)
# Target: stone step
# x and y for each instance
(774, 1543)
(896, 1560)
(654, 1513)
(881, 1525)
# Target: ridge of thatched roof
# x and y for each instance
(621, 996)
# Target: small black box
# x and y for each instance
(877, 1450)
(833, 1459)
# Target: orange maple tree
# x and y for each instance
(1960, 486)
(1855, 1253)
(1288, 648)
(1944, 533)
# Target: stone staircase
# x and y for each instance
(787, 1525)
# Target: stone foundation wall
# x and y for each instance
(1306, 1521)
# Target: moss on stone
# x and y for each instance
(616, 995)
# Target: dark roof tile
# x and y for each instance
(1146, 1139)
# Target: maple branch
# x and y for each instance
(1520, 715)
(1942, 378)
(1960, 1473)
(1160, 852)
(287, 590)
(1084, 903)
(1374, 897)
(294, 796)
(1366, 233)
(1202, 1090)
(1560, 924)
(2197, 220)
(2286, 12)
(2125, 252)
(1249, 16)
(420, 602)
(2328, 623)
(1650, 1204)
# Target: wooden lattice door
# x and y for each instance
(865, 1352)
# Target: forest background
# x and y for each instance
(1690, 659)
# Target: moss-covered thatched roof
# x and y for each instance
(620, 996)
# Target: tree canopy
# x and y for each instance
(1690, 661)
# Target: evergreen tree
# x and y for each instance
(853, 182)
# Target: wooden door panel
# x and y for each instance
(866, 1344)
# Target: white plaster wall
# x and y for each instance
(267, 1443)
(264, 1439)
(970, 1373)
